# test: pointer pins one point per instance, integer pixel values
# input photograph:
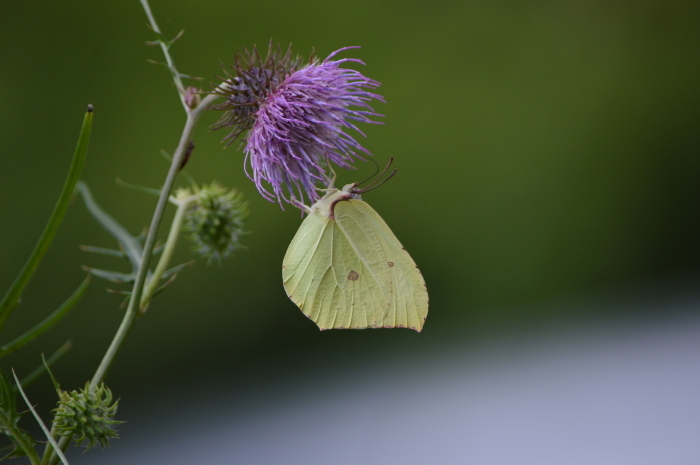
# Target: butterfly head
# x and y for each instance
(353, 191)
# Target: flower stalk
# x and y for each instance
(182, 206)
(137, 293)
(132, 311)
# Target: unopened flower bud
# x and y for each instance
(192, 97)
(215, 225)
(86, 416)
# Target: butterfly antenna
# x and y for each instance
(374, 184)
(373, 174)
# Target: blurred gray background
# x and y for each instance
(547, 188)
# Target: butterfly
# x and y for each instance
(345, 269)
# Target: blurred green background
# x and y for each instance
(547, 152)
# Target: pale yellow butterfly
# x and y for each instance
(346, 269)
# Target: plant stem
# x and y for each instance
(175, 228)
(27, 448)
(134, 302)
(132, 311)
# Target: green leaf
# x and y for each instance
(13, 295)
(53, 378)
(146, 190)
(103, 251)
(158, 63)
(38, 371)
(163, 286)
(48, 322)
(174, 270)
(114, 276)
(131, 246)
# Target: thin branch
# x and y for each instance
(166, 52)
(41, 423)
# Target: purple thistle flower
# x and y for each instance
(296, 117)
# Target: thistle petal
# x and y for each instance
(296, 120)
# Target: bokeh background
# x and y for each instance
(548, 157)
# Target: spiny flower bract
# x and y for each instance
(296, 116)
(215, 225)
(86, 415)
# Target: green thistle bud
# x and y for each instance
(215, 225)
(86, 416)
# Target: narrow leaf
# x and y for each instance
(178, 36)
(114, 276)
(187, 76)
(158, 63)
(48, 322)
(175, 269)
(53, 378)
(164, 285)
(114, 291)
(131, 246)
(146, 190)
(15, 292)
(38, 371)
(103, 251)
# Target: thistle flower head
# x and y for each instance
(215, 225)
(86, 416)
(296, 117)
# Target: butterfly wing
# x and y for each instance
(352, 272)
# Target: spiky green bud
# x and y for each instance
(86, 416)
(215, 225)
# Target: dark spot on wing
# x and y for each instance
(353, 276)
(391, 264)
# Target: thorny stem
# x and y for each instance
(132, 311)
(136, 293)
(26, 446)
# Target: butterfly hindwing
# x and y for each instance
(350, 271)
(405, 298)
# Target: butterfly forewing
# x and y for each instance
(306, 259)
